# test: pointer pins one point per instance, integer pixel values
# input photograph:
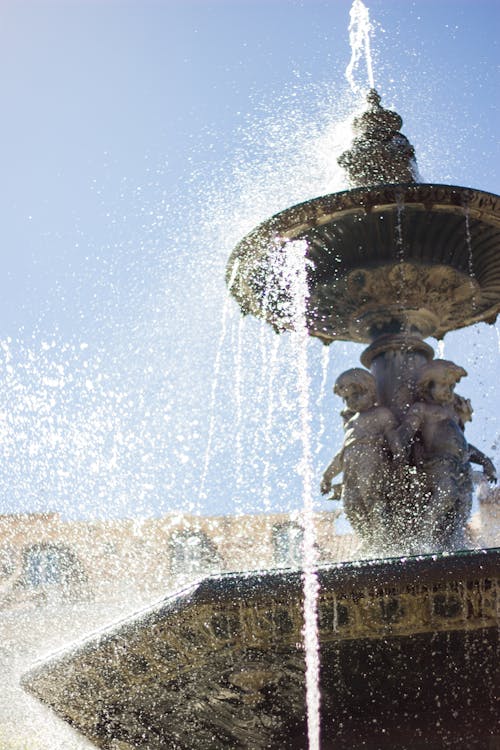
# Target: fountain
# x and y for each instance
(404, 642)
(389, 263)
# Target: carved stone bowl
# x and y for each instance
(417, 258)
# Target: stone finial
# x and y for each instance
(380, 153)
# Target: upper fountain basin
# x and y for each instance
(418, 258)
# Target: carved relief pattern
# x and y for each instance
(423, 296)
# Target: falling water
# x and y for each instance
(360, 29)
(399, 227)
(264, 364)
(272, 370)
(238, 394)
(215, 382)
(470, 259)
(295, 280)
(325, 359)
(400, 249)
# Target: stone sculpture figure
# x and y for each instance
(370, 440)
(406, 487)
(464, 411)
(433, 432)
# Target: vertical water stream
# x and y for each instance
(215, 382)
(238, 395)
(325, 359)
(360, 29)
(266, 489)
(470, 259)
(295, 280)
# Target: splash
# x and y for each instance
(360, 30)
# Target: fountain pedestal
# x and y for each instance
(394, 360)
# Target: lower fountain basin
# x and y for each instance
(408, 651)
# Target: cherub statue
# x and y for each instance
(370, 438)
(464, 411)
(434, 426)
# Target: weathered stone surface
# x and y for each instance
(408, 659)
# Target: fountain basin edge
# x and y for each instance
(404, 645)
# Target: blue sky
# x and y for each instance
(139, 141)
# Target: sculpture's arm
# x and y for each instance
(392, 436)
(408, 427)
(331, 471)
(395, 443)
(335, 491)
(477, 457)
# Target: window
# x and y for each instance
(51, 565)
(287, 544)
(7, 561)
(192, 553)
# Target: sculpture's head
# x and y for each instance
(357, 387)
(437, 379)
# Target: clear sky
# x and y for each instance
(139, 141)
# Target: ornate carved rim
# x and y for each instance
(291, 223)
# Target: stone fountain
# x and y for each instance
(389, 263)
(407, 644)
